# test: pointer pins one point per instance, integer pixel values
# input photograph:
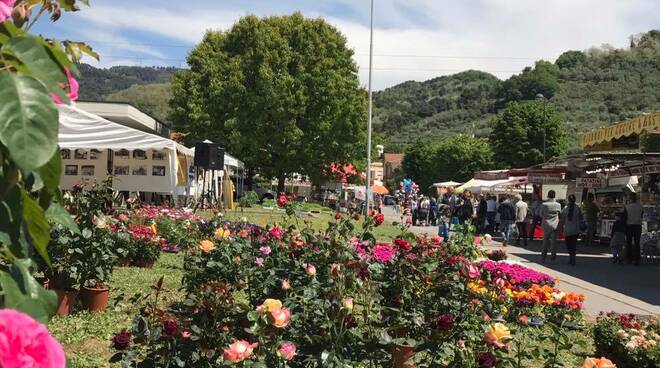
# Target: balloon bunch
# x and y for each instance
(408, 186)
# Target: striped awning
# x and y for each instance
(638, 125)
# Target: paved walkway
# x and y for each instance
(607, 287)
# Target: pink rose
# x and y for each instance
(73, 87)
(281, 317)
(347, 303)
(265, 250)
(5, 9)
(25, 342)
(287, 350)
(473, 272)
(238, 351)
(259, 262)
(310, 269)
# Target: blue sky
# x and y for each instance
(413, 40)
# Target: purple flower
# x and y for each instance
(486, 359)
(516, 274)
(259, 262)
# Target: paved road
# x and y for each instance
(607, 287)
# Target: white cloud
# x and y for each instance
(502, 36)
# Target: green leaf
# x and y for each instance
(40, 61)
(37, 225)
(29, 121)
(24, 294)
(59, 215)
(51, 172)
(11, 218)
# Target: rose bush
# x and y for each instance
(628, 340)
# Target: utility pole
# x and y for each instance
(371, 60)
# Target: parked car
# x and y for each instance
(389, 200)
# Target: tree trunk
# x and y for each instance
(249, 179)
(280, 183)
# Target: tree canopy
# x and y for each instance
(523, 131)
(455, 158)
(282, 93)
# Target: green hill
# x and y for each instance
(588, 88)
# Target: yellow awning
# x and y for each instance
(638, 125)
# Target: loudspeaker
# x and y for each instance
(209, 156)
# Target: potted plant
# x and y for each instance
(63, 274)
(97, 263)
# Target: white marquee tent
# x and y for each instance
(91, 146)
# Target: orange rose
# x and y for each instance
(238, 351)
(207, 246)
(222, 233)
(269, 305)
(598, 363)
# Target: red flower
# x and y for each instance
(379, 218)
(357, 216)
(282, 201)
(402, 244)
(486, 359)
(121, 340)
(170, 327)
(444, 322)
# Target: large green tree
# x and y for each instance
(523, 131)
(282, 93)
(455, 158)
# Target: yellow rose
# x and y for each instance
(222, 233)
(154, 228)
(270, 305)
(206, 246)
(497, 335)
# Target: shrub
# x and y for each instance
(627, 340)
(248, 199)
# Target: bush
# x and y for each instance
(248, 199)
(627, 340)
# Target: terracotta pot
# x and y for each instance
(94, 299)
(402, 356)
(143, 263)
(65, 301)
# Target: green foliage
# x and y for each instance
(282, 93)
(455, 158)
(520, 133)
(151, 98)
(248, 199)
(97, 84)
(31, 70)
(649, 142)
(542, 79)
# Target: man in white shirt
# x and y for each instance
(633, 214)
(491, 213)
(521, 219)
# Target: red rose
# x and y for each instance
(486, 359)
(402, 244)
(337, 216)
(121, 340)
(357, 217)
(281, 200)
(444, 322)
(170, 327)
(379, 218)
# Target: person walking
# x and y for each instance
(550, 216)
(521, 219)
(507, 218)
(482, 211)
(571, 220)
(466, 210)
(633, 214)
(537, 220)
(618, 237)
(491, 213)
(591, 213)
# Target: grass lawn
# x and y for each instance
(86, 336)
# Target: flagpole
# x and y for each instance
(371, 60)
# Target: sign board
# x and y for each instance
(492, 175)
(590, 183)
(361, 193)
(638, 125)
(545, 178)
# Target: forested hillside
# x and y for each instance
(97, 83)
(588, 88)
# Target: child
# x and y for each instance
(618, 239)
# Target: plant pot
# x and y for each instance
(65, 301)
(144, 263)
(94, 299)
(402, 356)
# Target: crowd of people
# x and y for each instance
(508, 215)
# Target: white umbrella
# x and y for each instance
(446, 184)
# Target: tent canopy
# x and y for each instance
(446, 184)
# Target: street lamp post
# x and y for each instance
(541, 98)
(370, 108)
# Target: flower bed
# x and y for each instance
(296, 297)
(629, 341)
